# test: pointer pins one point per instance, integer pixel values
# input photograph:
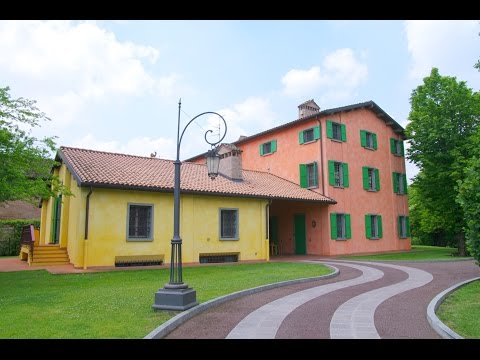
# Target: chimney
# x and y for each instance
(308, 108)
(230, 162)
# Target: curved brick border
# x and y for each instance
(179, 319)
(443, 330)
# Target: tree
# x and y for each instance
(469, 197)
(25, 161)
(444, 113)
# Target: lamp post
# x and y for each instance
(176, 295)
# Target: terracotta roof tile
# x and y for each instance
(98, 168)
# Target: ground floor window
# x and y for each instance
(228, 224)
(373, 226)
(140, 222)
(340, 228)
(403, 226)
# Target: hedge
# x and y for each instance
(10, 233)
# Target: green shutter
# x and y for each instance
(333, 226)
(407, 221)
(329, 129)
(345, 174)
(377, 179)
(375, 145)
(344, 132)
(300, 137)
(274, 145)
(392, 146)
(54, 219)
(402, 149)
(395, 183)
(261, 149)
(331, 172)
(363, 138)
(380, 227)
(365, 177)
(316, 132)
(315, 173)
(348, 227)
(303, 175)
(368, 226)
(404, 178)
(399, 222)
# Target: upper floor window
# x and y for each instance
(371, 178)
(396, 147)
(268, 147)
(368, 139)
(337, 173)
(399, 183)
(140, 222)
(336, 131)
(309, 175)
(309, 135)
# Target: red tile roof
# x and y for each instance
(106, 169)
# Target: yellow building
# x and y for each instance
(121, 210)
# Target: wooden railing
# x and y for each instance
(28, 238)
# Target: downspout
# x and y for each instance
(267, 226)
(321, 158)
(85, 242)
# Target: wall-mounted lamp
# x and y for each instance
(314, 223)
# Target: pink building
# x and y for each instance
(352, 154)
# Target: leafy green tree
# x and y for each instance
(444, 113)
(469, 197)
(25, 161)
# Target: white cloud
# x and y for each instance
(340, 74)
(142, 146)
(450, 45)
(68, 65)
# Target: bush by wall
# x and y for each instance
(10, 233)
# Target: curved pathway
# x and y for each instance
(366, 300)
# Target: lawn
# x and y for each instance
(418, 252)
(117, 304)
(460, 311)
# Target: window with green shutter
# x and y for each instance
(399, 183)
(309, 175)
(268, 147)
(340, 227)
(336, 131)
(368, 140)
(338, 174)
(396, 147)
(371, 178)
(403, 227)
(309, 135)
(373, 226)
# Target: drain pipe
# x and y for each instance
(85, 242)
(321, 157)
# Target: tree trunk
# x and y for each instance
(462, 250)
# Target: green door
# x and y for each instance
(300, 234)
(273, 235)
(57, 209)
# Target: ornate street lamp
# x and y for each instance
(176, 295)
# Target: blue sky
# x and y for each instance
(115, 85)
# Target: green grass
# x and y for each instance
(118, 304)
(418, 252)
(461, 311)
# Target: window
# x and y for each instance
(228, 224)
(399, 183)
(373, 226)
(309, 175)
(336, 131)
(368, 140)
(396, 147)
(140, 222)
(268, 147)
(337, 173)
(309, 135)
(371, 179)
(403, 226)
(340, 228)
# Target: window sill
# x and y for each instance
(139, 239)
(401, 194)
(403, 237)
(337, 140)
(338, 187)
(398, 155)
(341, 239)
(270, 153)
(374, 238)
(369, 148)
(309, 142)
(312, 187)
(229, 239)
(372, 190)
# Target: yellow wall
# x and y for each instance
(199, 225)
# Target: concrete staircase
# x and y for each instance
(49, 255)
